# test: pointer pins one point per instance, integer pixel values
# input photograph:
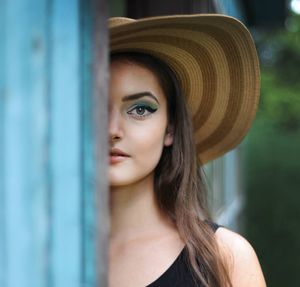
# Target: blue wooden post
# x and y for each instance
(99, 135)
(25, 215)
(65, 150)
(53, 143)
(94, 91)
(2, 93)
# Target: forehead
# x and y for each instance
(130, 68)
(127, 78)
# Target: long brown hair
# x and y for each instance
(178, 182)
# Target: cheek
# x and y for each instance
(149, 141)
(146, 145)
(150, 154)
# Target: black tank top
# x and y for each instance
(179, 274)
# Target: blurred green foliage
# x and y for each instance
(273, 158)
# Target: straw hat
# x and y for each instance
(215, 61)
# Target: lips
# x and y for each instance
(117, 152)
(117, 156)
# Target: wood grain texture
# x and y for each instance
(100, 79)
(2, 101)
(24, 133)
(65, 149)
(53, 110)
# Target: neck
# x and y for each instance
(135, 213)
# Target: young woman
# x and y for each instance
(183, 91)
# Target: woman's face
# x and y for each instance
(137, 123)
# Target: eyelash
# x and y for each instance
(144, 107)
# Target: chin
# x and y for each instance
(118, 181)
(121, 182)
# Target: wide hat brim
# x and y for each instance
(215, 61)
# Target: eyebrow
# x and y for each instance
(139, 95)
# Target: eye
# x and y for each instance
(141, 111)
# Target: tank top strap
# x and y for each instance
(214, 226)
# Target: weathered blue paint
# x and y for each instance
(99, 100)
(65, 149)
(94, 101)
(25, 130)
(95, 145)
(49, 152)
(2, 95)
(89, 163)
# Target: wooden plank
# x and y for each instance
(65, 144)
(53, 144)
(100, 120)
(88, 143)
(95, 102)
(2, 95)
(25, 134)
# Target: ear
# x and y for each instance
(169, 136)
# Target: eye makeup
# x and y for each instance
(138, 110)
(147, 104)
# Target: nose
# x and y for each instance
(115, 127)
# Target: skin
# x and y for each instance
(243, 263)
(141, 236)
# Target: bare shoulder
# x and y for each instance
(242, 260)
